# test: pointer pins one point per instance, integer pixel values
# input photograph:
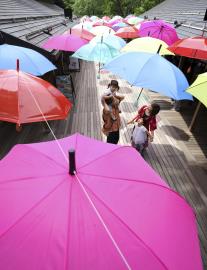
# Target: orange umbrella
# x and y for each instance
(25, 98)
(127, 32)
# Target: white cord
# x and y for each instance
(47, 123)
(103, 223)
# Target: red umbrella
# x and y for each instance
(25, 98)
(127, 32)
(195, 47)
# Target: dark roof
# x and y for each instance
(32, 21)
(189, 13)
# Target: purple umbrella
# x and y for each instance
(158, 29)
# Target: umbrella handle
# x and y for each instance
(72, 164)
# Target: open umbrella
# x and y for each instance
(150, 71)
(127, 32)
(31, 61)
(100, 30)
(158, 29)
(147, 44)
(98, 52)
(110, 211)
(111, 40)
(195, 47)
(66, 42)
(81, 32)
(25, 98)
(199, 90)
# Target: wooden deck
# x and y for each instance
(176, 154)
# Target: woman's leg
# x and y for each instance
(113, 137)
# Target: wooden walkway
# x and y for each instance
(177, 155)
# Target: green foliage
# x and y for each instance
(146, 5)
(110, 7)
(68, 3)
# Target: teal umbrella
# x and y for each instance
(99, 52)
(110, 40)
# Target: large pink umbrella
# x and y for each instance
(112, 211)
(66, 42)
(158, 29)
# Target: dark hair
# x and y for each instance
(155, 109)
(114, 83)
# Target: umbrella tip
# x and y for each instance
(72, 165)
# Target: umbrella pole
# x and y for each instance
(194, 116)
(72, 168)
(139, 95)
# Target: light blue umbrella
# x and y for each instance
(119, 25)
(98, 52)
(30, 61)
(110, 40)
(151, 71)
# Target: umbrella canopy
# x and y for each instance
(31, 61)
(158, 29)
(111, 40)
(134, 20)
(98, 52)
(67, 42)
(195, 47)
(82, 33)
(100, 30)
(25, 98)
(119, 25)
(147, 44)
(86, 25)
(115, 212)
(150, 71)
(106, 18)
(199, 88)
(127, 32)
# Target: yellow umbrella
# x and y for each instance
(199, 90)
(100, 30)
(147, 44)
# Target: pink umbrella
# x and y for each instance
(110, 211)
(158, 29)
(127, 32)
(82, 33)
(66, 42)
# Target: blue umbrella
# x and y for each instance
(30, 61)
(151, 71)
(110, 40)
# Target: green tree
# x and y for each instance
(110, 7)
(146, 5)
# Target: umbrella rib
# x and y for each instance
(30, 210)
(100, 157)
(137, 181)
(26, 178)
(45, 155)
(109, 209)
(103, 223)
